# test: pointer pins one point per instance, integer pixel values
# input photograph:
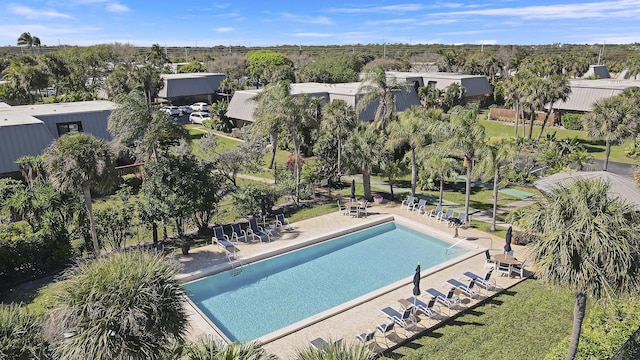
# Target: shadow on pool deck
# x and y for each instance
(354, 320)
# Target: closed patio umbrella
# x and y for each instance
(507, 246)
(353, 188)
(416, 284)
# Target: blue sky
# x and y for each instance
(305, 22)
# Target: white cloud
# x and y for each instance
(30, 13)
(225, 29)
(400, 8)
(392, 21)
(117, 7)
(307, 19)
(486, 42)
(313, 35)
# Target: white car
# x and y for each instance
(200, 106)
(171, 110)
(185, 110)
(197, 117)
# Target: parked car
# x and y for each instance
(171, 110)
(200, 106)
(197, 117)
(185, 109)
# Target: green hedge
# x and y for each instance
(572, 121)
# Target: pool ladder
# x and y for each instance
(236, 269)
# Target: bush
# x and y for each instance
(133, 182)
(247, 199)
(572, 121)
(20, 335)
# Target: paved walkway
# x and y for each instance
(363, 313)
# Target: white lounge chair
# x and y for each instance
(406, 319)
(434, 213)
(486, 282)
(237, 233)
(257, 231)
(221, 239)
(450, 299)
(420, 205)
(445, 216)
(407, 203)
(428, 308)
(368, 337)
(465, 289)
(281, 221)
(386, 328)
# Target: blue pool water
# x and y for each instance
(277, 292)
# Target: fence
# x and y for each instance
(129, 169)
(630, 349)
(501, 113)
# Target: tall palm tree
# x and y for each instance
(364, 149)
(463, 136)
(556, 88)
(413, 131)
(128, 305)
(340, 119)
(376, 88)
(268, 116)
(609, 120)
(440, 167)
(26, 40)
(80, 162)
(586, 241)
(514, 93)
(496, 153)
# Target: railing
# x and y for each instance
(129, 169)
(630, 349)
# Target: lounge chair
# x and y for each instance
(518, 269)
(427, 308)
(406, 319)
(486, 282)
(385, 328)
(364, 207)
(435, 213)
(450, 299)
(407, 203)
(237, 233)
(368, 337)
(257, 231)
(466, 289)
(321, 344)
(221, 239)
(445, 216)
(281, 221)
(457, 221)
(419, 207)
(489, 262)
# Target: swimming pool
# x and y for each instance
(277, 292)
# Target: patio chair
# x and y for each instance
(419, 207)
(385, 328)
(486, 282)
(450, 299)
(368, 337)
(257, 231)
(364, 207)
(518, 269)
(341, 208)
(435, 213)
(354, 211)
(504, 269)
(427, 308)
(465, 289)
(407, 203)
(281, 221)
(457, 221)
(406, 319)
(445, 216)
(489, 262)
(237, 233)
(221, 239)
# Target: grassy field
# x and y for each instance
(594, 147)
(523, 322)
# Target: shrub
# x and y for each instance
(572, 121)
(21, 335)
(247, 199)
(133, 182)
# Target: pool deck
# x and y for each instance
(358, 316)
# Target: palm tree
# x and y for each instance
(587, 241)
(412, 130)
(463, 136)
(609, 120)
(556, 88)
(496, 153)
(339, 118)
(25, 39)
(375, 87)
(335, 350)
(207, 348)
(128, 305)
(364, 149)
(268, 117)
(81, 162)
(440, 167)
(514, 93)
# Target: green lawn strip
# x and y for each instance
(596, 148)
(524, 322)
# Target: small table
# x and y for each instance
(506, 259)
(353, 204)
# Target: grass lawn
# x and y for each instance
(523, 322)
(594, 147)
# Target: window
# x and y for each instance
(432, 84)
(69, 127)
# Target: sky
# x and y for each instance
(199, 23)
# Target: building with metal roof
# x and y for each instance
(584, 93)
(187, 88)
(242, 103)
(27, 130)
(475, 86)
